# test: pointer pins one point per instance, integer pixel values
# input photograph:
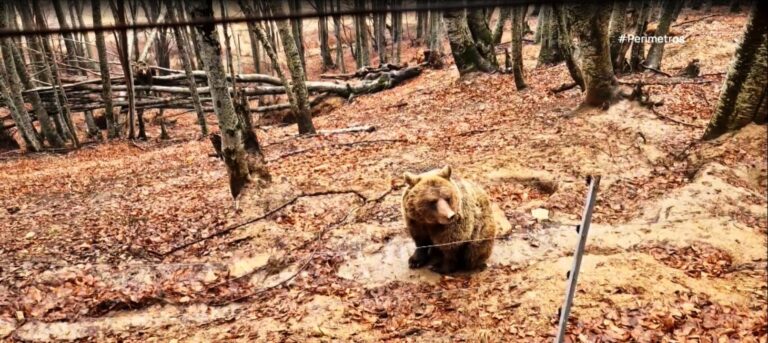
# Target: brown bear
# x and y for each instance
(441, 215)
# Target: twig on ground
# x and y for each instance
(309, 259)
(263, 216)
(564, 87)
(661, 116)
(657, 71)
(667, 82)
(297, 152)
(695, 20)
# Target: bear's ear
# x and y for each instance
(410, 178)
(445, 173)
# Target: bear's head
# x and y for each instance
(431, 197)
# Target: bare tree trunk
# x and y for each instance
(10, 87)
(618, 19)
(125, 61)
(482, 35)
(378, 29)
(50, 67)
(181, 45)
(337, 24)
(518, 15)
(113, 129)
(297, 28)
(638, 49)
(669, 11)
(397, 31)
(504, 13)
(550, 49)
(232, 140)
(361, 36)
(744, 96)
(566, 47)
(322, 29)
(47, 126)
(298, 77)
(422, 19)
(595, 53)
(541, 18)
(465, 53)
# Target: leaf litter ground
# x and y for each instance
(677, 249)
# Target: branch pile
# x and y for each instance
(171, 91)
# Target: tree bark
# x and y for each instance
(465, 53)
(298, 77)
(181, 45)
(337, 23)
(550, 48)
(397, 31)
(618, 20)
(566, 46)
(638, 49)
(47, 126)
(669, 10)
(10, 87)
(518, 16)
(361, 37)
(498, 31)
(230, 126)
(297, 29)
(125, 62)
(322, 29)
(50, 67)
(744, 93)
(482, 35)
(113, 128)
(595, 53)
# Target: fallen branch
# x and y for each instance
(695, 20)
(661, 116)
(263, 216)
(312, 255)
(564, 87)
(657, 71)
(298, 152)
(362, 128)
(668, 82)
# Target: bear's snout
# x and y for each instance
(446, 215)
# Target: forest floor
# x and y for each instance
(677, 248)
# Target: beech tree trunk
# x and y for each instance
(744, 96)
(566, 47)
(10, 87)
(298, 77)
(231, 132)
(518, 16)
(498, 31)
(669, 11)
(337, 23)
(638, 49)
(465, 52)
(47, 126)
(186, 63)
(595, 53)
(397, 31)
(550, 48)
(322, 29)
(113, 128)
(362, 56)
(618, 20)
(482, 35)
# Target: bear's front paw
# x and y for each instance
(419, 259)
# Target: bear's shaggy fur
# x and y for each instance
(444, 212)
